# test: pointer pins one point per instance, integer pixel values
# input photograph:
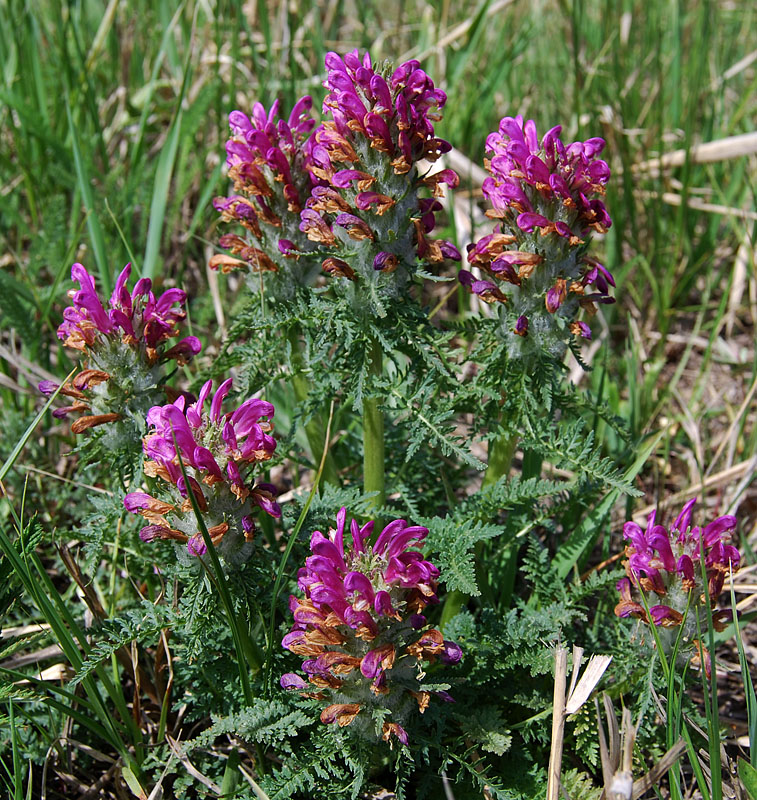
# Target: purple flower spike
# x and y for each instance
(123, 341)
(215, 447)
(359, 625)
(394, 121)
(670, 563)
(268, 160)
(546, 196)
(140, 320)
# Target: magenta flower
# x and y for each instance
(125, 342)
(547, 197)
(547, 185)
(669, 563)
(137, 317)
(267, 158)
(365, 158)
(360, 625)
(216, 448)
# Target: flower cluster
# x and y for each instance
(671, 563)
(215, 448)
(266, 159)
(367, 206)
(361, 628)
(547, 196)
(125, 348)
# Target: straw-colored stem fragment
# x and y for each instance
(558, 724)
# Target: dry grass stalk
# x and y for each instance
(675, 199)
(215, 293)
(719, 150)
(177, 751)
(719, 479)
(745, 256)
(617, 756)
(578, 693)
(466, 168)
(259, 793)
(558, 724)
(746, 404)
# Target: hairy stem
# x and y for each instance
(314, 430)
(501, 452)
(373, 437)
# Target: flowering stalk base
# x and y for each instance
(373, 438)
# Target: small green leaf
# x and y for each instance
(748, 777)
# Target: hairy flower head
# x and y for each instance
(216, 449)
(369, 205)
(267, 158)
(125, 343)
(685, 566)
(360, 625)
(547, 197)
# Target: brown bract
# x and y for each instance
(80, 425)
(341, 713)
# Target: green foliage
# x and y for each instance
(579, 785)
(452, 540)
(111, 146)
(267, 722)
(583, 739)
(324, 761)
(98, 528)
(488, 730)
(574, 449)
(135, 626)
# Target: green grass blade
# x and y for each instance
(11, 460)
(746, 678)
(162, 183)
(748, 776)
(93, 223)
(582, 538)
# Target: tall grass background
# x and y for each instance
(112, 122)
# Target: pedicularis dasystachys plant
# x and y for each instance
(685, 566)
(215, 449)
(361, 628)
(547, 196)
(334, 223)
(125, 349)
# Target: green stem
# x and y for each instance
(285, 558)
(501, 452)
(246, 650)
(373, 436)
(314, 430)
